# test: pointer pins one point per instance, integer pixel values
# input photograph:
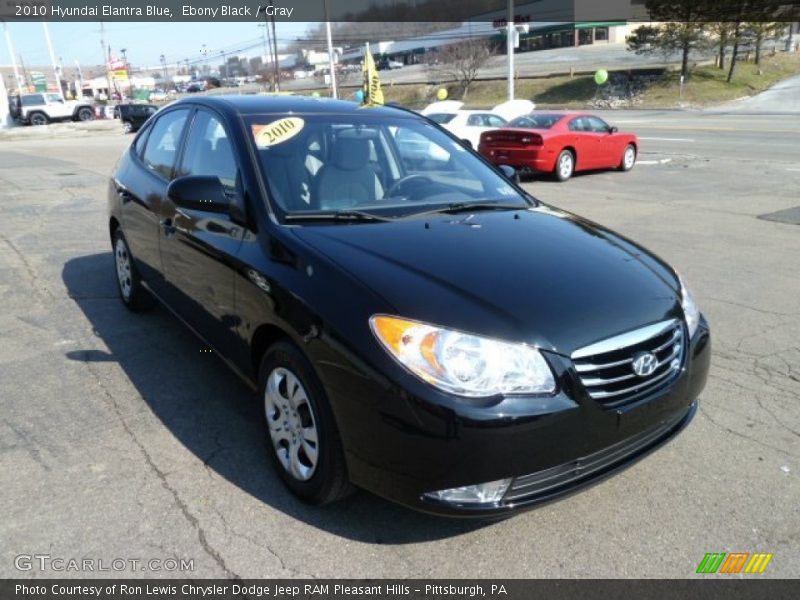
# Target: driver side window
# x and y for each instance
(209, 151)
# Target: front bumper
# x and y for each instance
(401, 444)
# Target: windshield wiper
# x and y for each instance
(339, 215)
(462, 207)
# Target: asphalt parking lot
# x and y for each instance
(119, 438)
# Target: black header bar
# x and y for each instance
(451, 11)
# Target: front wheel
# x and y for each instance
(127, 127)
(304, 441)
(628, 158)
(565, 165)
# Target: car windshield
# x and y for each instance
(370, 165)
(539, 121)
(441, 118)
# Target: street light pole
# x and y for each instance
(331, 61)
(13, 55)
(275, 49)
(510, 48)
(53, 59)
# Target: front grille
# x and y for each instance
(583, 470)
(606, 368)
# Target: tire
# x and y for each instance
(127, 127)
(38, 118)
(129, 284)
(85, 114)
(628, 158)
(565, 165)
(303, 439)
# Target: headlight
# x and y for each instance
(462, 363)
(690, 310)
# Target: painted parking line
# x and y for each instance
(662, 139)
(663, 161)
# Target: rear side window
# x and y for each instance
(209, 151)
(537, 121)
(162, 143)
(441, 118)
(495, 121)
(32, 100)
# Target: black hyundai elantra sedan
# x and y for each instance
(415, 323)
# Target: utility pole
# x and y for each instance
(267, 47)
(331, 58)
(105, 58)
(510, 48)
(5, 113)
(53, 59)
(275, 47)
(13, 55)
(79, 91)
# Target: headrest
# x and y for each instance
(351, 153)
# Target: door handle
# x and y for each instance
(168, 226)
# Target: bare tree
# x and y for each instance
(460, 62)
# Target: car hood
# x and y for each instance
(540, 276)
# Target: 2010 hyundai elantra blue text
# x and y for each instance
(415, 323)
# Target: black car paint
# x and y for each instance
(135, 114)
(541, 276)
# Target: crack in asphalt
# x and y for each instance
(260, 544)
(162, 477)
(29, 270)
(753, 308)
(28, 444)
(719, 425)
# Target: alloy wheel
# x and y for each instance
(565, 165)
(292, 424)
(630, 158)
(123, 262)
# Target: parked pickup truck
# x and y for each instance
(41, 109)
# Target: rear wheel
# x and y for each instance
(85, 114)
(565, 165)
(127, 127)
(304, 441)
(628, 158)
(38, 118)
(129, 284)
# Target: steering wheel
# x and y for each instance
(403, 181)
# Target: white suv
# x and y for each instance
(41, 109)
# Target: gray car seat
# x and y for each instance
(347, 179)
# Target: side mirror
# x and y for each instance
(509, 173)
(199, 192)
(612, 130)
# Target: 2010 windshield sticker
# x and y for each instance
(277, 132)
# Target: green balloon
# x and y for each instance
(601, 76)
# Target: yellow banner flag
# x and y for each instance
(373, 94)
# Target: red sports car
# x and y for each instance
(560, 143)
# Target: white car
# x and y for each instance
(468, 125)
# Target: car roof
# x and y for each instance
(258, 104)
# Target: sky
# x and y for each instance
(145, 42)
